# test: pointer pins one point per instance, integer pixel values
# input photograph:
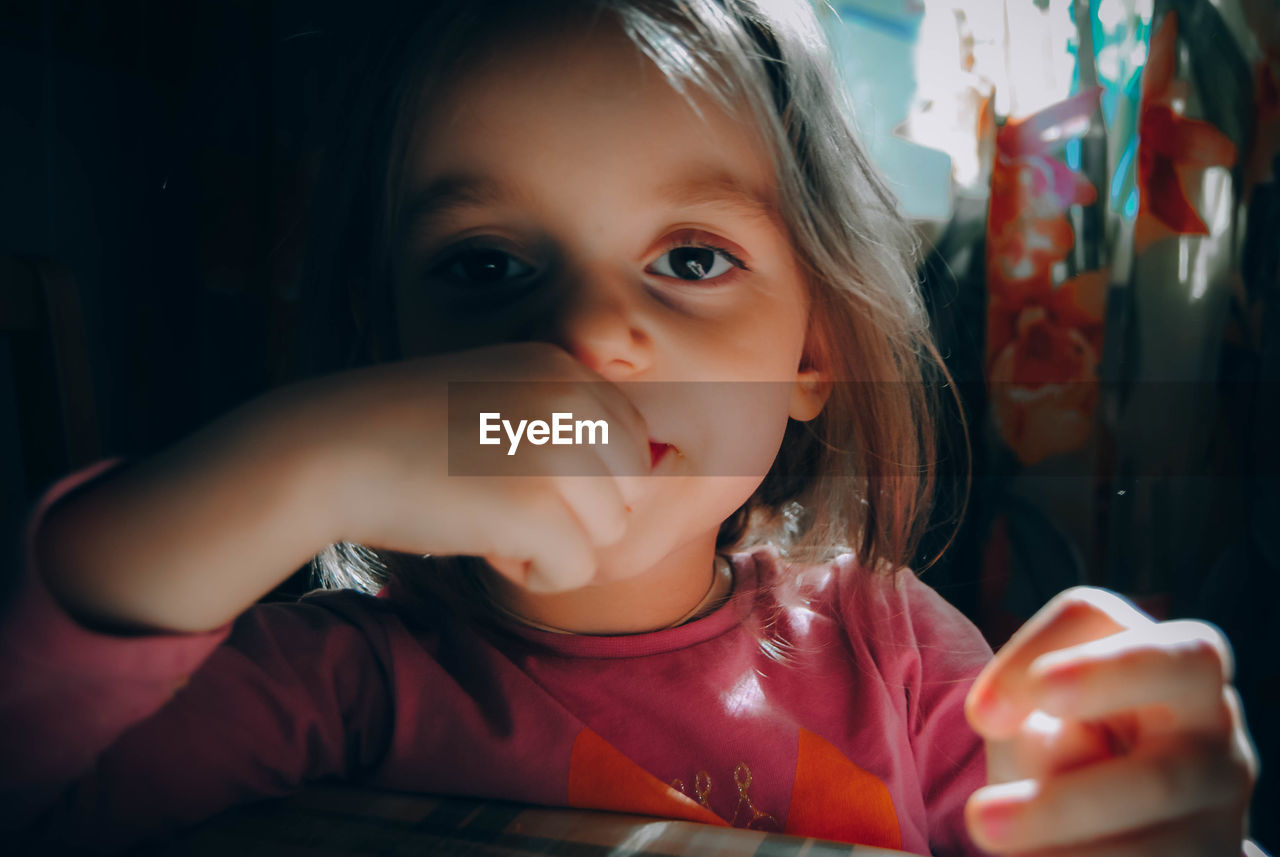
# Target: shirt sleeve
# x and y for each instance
(950, 756)
(108, 739)
(935, 654)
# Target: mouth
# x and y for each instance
(658, 451)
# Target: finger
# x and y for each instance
(1047, 746)
(1106, 799)
(597, 503)
(1002, 696)
(1181, 666)
(628, 449)
(615, 399)
(630, 441)
(593, 441)
(619, 448)
(1210, 833)
(540, 529)
(623, 459)
(563, 561)
(581, 471)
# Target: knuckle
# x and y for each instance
(1203, 649)
(1200, 654)
(1078, 602)
(1202, 632)
(1078, 595)
(1075, 603)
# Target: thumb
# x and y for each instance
(1045, 746)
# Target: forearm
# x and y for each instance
(189, 539)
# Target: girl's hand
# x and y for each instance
(1111, 734)
(384, 434)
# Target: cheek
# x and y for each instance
(743, 431)
(686, 508)
(701, 503)
(729, 492)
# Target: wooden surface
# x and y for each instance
(346, 820)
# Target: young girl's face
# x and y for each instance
(562, 191)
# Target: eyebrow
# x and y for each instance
(720, 188)
(452, 192)
(699, 187)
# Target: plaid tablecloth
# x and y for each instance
(346, 820)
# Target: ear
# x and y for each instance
(809, 394)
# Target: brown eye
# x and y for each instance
(693, 262)
(482, 266)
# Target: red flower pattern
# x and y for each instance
(1043, 339)
(1172, 149)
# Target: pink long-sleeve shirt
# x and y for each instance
(856, 733)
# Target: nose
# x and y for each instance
(602, 327)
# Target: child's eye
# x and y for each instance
(482, 266)
(695, 262)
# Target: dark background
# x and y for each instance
(162, 153)
(159, 151)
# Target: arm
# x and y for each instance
(240, 502)
(131, 577)
(132, 581)
(105, 738)
(189, 539)
(54, 670)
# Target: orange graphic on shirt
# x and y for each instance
(746, 813)
(600, 777)
(833, 798)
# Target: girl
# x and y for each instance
(651, 216)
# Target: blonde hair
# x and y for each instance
(858, 477)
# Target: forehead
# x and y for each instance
(582, 102)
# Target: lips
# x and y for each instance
(657, 451)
